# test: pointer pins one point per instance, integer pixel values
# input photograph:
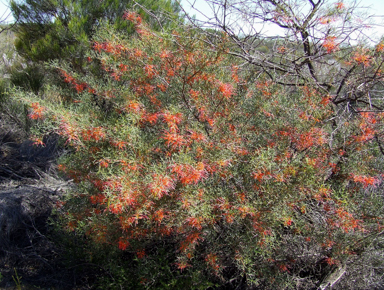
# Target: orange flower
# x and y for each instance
(161, 185)
(235, 75)
(325, 20)
(150, 70)
(162, 87)
(188, 174)
(37, 111)
(197, 136)
(116, 208)
(330, 45)
(190, 240)
(283, 268)
(38, 142)
(123, 244)
(194, 222)
(365, 180)
(211, 259)
(362, 58)
(138, 52)
(325, 100)
(104, 163)
(159, 215)
(123, 67)
(152, 118)
(380, 47)
(182, 265)
(96, 134)
(226, 90)
(331, 261)
(174, 140)
(281, 49)
(134, 106)
(340, 5)
(140, 254)
(172, 119)
(194, 94)
(165, 54)
(288, 222)
(119, 144)
(133, 17)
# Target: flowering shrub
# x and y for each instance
(174, 144)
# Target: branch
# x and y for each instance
(343, 82)
(378, 143)
(333, 278)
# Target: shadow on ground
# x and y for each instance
(29, 190)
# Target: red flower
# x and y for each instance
(37, 111)
(340, 5)
(133, 17)
(123, 244)
(330, 45)
(226, 90)
(140, 254)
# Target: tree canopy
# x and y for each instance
(55, 29)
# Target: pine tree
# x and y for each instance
(62, 29)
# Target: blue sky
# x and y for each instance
(4, 11)
(376, 5)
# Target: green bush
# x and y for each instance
(28, 77)
(191, 171)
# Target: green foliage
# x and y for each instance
(17, 280)
(7, 54)
(112, 269)
(192, 170)
(62, 29)
(4, 85)
(28, 77)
